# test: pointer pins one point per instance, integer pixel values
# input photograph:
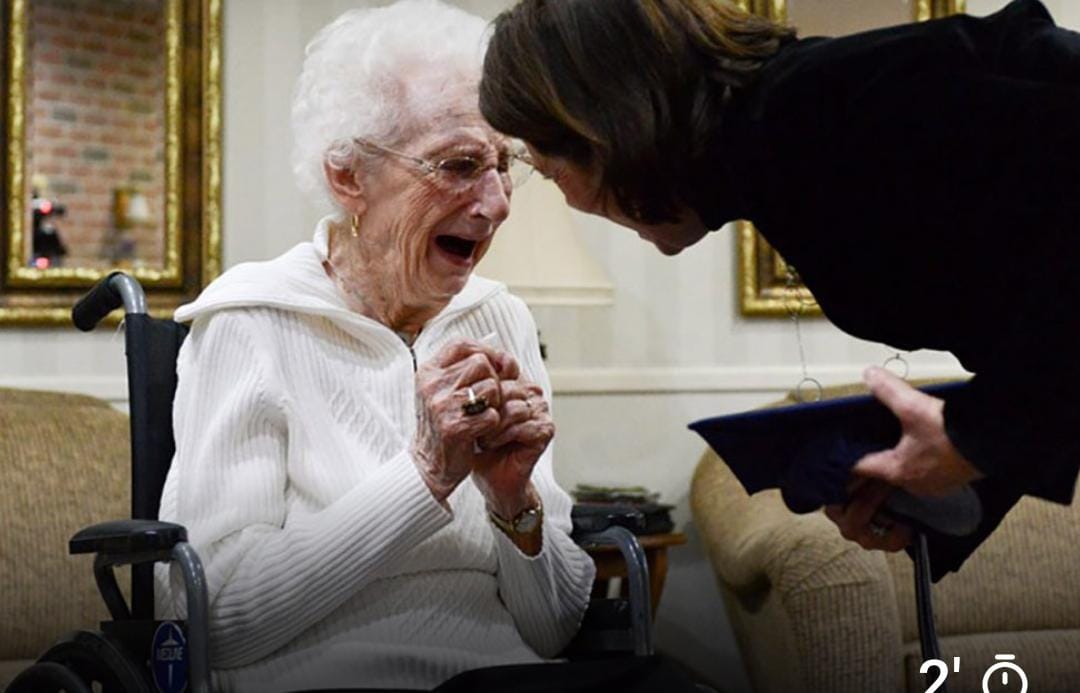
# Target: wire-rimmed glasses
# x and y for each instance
(461, 172)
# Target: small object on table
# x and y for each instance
(588, 493)
(633, 507)
(641, 519)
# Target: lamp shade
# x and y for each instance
(536, 252)
(131, 208)
(139, 209)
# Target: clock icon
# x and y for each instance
(1005, 670)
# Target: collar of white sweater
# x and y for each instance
(296, 281)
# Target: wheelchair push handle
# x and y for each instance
(117, 289)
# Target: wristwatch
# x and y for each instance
(526, 521)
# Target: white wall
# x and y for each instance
(628, 378)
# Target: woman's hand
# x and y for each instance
(445, 435)
(503, 471)
(859, 520)
(924, 462)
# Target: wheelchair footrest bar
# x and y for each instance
(106, 579)
(637, 571)
(198, 611)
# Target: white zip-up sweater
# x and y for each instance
(328, 561)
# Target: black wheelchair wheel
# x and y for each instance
(48, 677)
(98, 661)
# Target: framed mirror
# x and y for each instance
(112, 137)
(767, 285)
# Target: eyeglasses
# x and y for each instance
(459, 173)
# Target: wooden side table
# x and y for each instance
(610, 564)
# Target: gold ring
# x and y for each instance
(476, 404)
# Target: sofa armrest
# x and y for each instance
(811, 610)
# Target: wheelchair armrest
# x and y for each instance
(127, 537)
(122, 542)
(637, 572)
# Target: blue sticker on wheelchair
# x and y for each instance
(169, 659)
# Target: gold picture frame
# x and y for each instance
(191, 253)
(767, 285)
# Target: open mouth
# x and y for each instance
(454, 245)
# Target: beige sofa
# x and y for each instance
(814, 613)
(64, 464)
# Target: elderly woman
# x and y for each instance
(362, 424)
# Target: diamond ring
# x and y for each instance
(476, 404)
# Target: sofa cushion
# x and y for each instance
(64, 464)
(1024, 577)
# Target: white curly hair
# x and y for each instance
(365, 75)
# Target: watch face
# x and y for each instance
(527, 521)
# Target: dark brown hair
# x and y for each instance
(630, 86)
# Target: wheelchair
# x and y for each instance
(133, 652)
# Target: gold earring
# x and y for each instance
(354, 226)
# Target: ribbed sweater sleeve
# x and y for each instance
(547, 594)
(271, 576)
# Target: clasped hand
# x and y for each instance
(498, 446)
(924, 463)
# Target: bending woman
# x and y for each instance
(922, 180)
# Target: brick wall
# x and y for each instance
(96, 119)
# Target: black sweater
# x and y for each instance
(924, 180)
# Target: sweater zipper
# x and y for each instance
(408, 345)
(427, 328)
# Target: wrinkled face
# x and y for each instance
(427, 234)
(420, 236)
(581, 187)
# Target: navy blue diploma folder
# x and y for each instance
(807, 451)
